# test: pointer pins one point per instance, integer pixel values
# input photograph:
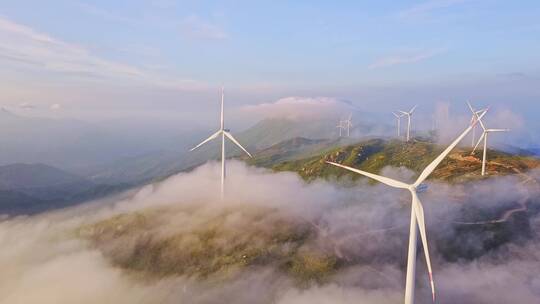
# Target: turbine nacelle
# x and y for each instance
(410, 113)
(421, 188)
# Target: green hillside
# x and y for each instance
(375, 154)
(294, 149)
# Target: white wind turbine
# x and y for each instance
(409, 114)
(224, 133)
(398, 119)
(417, 214)
(484, 136)
(341, 127)
(474, 114)
(348, 124)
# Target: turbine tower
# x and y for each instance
(409, 115)
(484, 136)
(417, 214)
(398, 119)
(224, 133)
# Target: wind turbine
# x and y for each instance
(484, 136)
(224, 133)
(409, 114)
(398, 118)
(340, 126)
(348, 124)
(474, 114)
(417, 214)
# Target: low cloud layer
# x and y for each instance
(43, 260)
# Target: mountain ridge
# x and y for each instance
(374, 154)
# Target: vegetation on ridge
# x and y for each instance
(218, 247)
(375, 154)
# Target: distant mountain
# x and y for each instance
(28, 188)
(272, 131)
(162, 163)
(516, 150)
(17, 176)
(79, 146)
(61, 143)
(533, 149)
(140, 169)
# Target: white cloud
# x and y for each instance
(414, 57)
(427, 7)
(55, 107)
(196, 28)
(26, 105)
(300, 107)
(26, 47)
(104, 14)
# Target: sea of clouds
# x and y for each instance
(44, 261)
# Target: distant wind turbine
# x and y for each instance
(341, 127)
(409, 115)
(417, 214)
(398, 119)
(224, 133)
(474, 114)
(348, 124)
(484, 136)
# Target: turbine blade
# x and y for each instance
(412, 110)
(404, 113)
(480, 120)
(419, 212)
(475, 115)
(481, 110)
(479, 141)
(497, 130)
(207, 140)
(431, 167)
(385, 180)
(229, 135)
(471, 108)
(397, 116)
(222, 112)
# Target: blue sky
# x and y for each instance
(117, 54)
